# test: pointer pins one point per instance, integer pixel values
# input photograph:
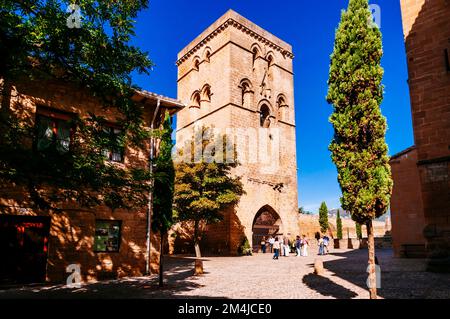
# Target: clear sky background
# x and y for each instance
(309, 26)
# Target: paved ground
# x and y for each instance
(261, 277)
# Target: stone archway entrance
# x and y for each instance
(265, 224)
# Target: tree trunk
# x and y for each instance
(197, 240)
(372, 280)
(198, 261)
(161, 253)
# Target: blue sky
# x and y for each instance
(309, 26)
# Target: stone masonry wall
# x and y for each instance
(406, 204)
(72, 229)
(230, 41)
(426, 26)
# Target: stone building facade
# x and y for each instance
(426, 27)
(41, 244)
(408, 217)
(237, 76)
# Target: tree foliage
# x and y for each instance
(162, 218)
(323, 218)
(303, 211)
(339, 225)
(358, 148)
(36, 45)
(205, 187)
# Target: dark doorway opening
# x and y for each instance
(266, 223)
(24, 248)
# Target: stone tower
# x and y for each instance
(237, 76)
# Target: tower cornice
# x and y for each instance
(231, 22)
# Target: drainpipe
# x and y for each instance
(150, 194)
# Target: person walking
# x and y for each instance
(271, 241)
(298, 246)
(276, 248)
(263, 245)
(326, 241)
(321, 246)
(305, 246)
(286, 246)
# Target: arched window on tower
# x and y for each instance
(206, 94)
(195, 100)
(246, 93)
(264, 116)
(270, 60)
(197, 63)
(207, 54)
(282, 108)
(255, 52)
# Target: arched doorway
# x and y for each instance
(265, 224)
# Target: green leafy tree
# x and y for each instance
(162, 217)
(323, 218)
(358, 230)
(339, 225)
(38, 44)
(358, 148)
(205, 186)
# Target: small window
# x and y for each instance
(115, 150)
(270, 60)
(245, 90)
(53, 131)
(264, 116)
(255, 54)
(206, 93)
(246, 93)
(197, 64)
(107, 235)
(195, 100)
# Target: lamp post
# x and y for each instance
(150, 194)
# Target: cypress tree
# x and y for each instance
(162, 218)
(323, 217)
(358, 148)
(339, 225)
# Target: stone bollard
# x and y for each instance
(198, 267)
(318, 267)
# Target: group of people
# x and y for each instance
(281, 246)
(323, 242)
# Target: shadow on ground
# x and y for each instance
(400, 278)
(326, 287)
(179, 278)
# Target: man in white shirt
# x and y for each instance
(271, 241)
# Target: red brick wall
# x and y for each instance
(406, 204)
(426, 27)
(72, 229)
